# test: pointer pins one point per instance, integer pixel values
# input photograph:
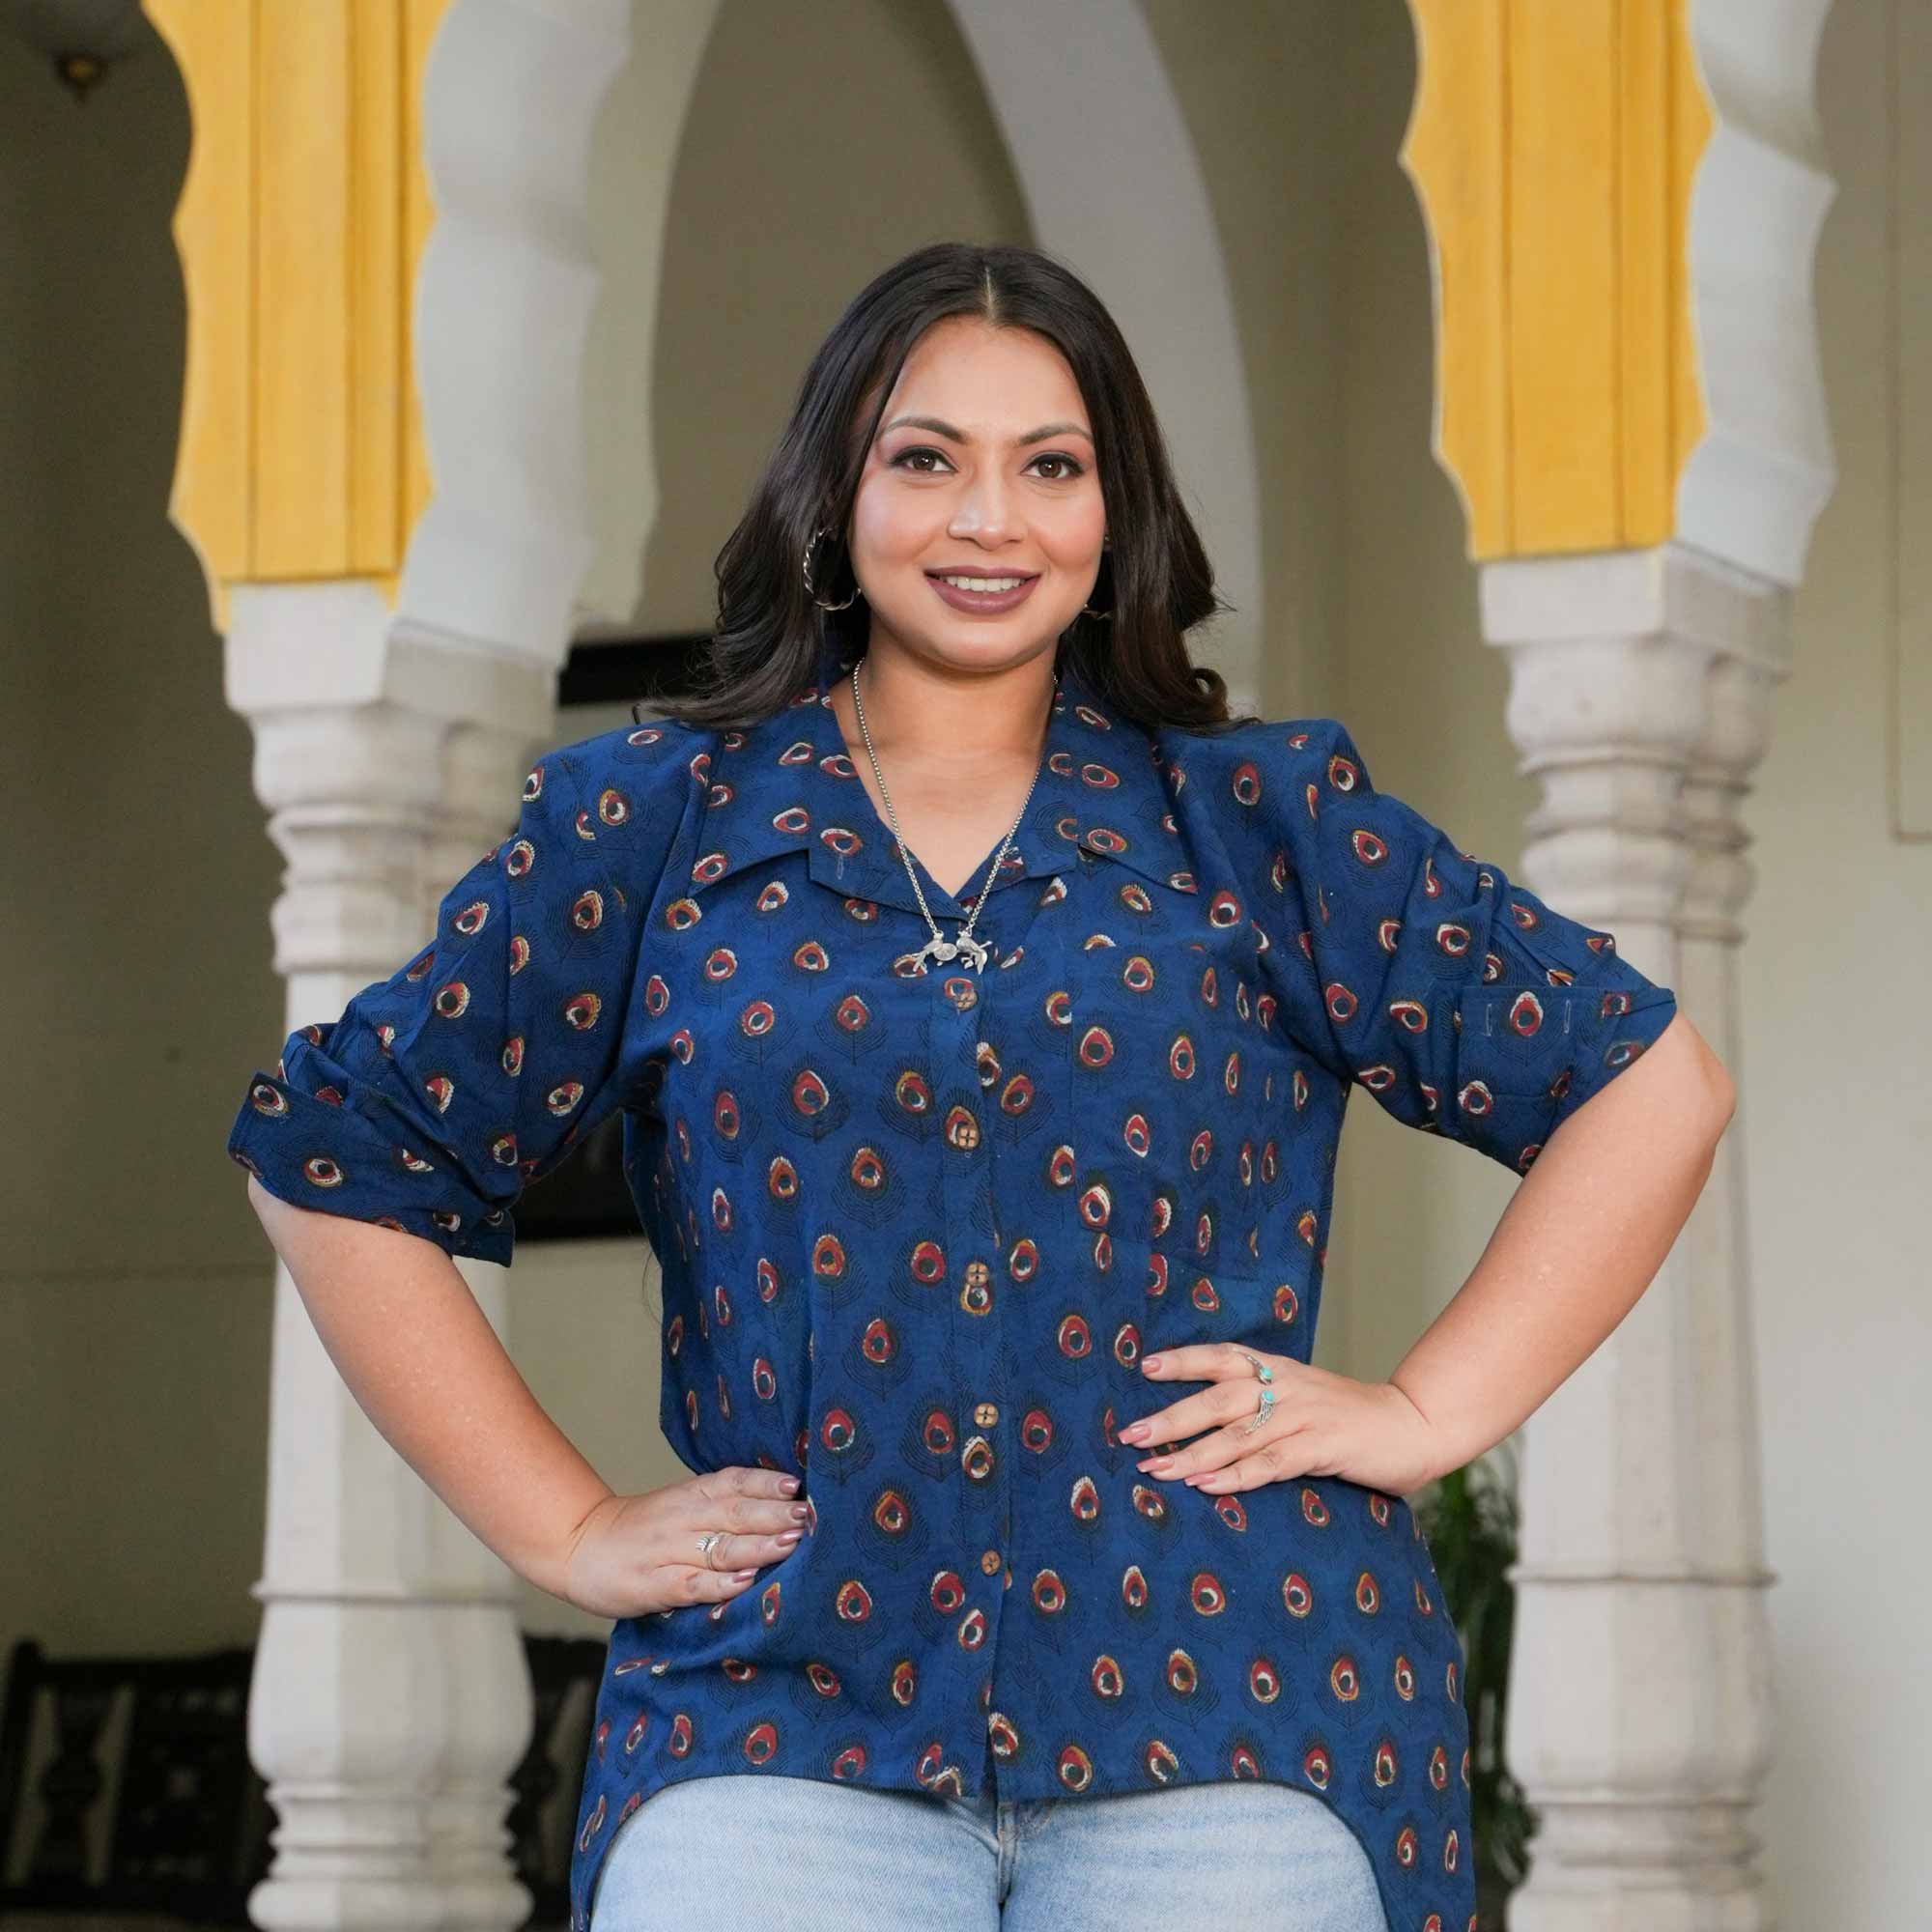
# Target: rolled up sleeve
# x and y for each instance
(1465, 1005)
(441, 1091)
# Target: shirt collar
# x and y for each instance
(786, 784)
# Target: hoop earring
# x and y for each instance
(1087, 610)
(804, 566)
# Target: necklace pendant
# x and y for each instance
(941, 951)
(936, 951)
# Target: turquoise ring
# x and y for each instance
(1266, 1406)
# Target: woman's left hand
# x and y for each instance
(1321, 1425)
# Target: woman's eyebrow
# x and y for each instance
(953, 435)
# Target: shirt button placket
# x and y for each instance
(975, 1314)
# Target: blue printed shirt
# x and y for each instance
(916, 1232)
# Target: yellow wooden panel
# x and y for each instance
(1564, 376)
(420, 21)
(1553, 148)
(1692, 123)
(209, 504)
(375, 320)
(1453, 151)
(1644, 279)
(301, 223)
(302, 289)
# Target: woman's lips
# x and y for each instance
(983, 603)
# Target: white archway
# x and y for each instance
(502, 551)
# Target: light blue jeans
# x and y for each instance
(805, 1854)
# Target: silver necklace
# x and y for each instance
(939, 949)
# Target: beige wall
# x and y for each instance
(1837, 1114)
(133, 1292)
(1259, 104)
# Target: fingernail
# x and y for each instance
(746, 1575)
(800, 1511)
(1134, 1431)
(789, 1535)
(1150, 1362)
(789, 1485)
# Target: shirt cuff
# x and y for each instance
(326, 1156)
(1614, 1040)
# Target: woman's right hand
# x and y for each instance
(633, 1554)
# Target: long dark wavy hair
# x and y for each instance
(1156, 576)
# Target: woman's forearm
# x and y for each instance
(1583, 1235)
(419, 1356)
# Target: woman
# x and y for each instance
(983, 1003)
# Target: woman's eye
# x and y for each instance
(907, 459)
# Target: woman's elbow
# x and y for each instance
(1717, 1085)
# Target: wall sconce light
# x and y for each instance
(80, 39)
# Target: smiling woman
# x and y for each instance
(974, 413)
(926, 1201)
(993, 524)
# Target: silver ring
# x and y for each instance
(708, 1541)
(1266, 1406)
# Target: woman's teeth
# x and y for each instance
(984, 583)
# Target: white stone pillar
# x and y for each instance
(391, 1700)
(1639, 1700)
